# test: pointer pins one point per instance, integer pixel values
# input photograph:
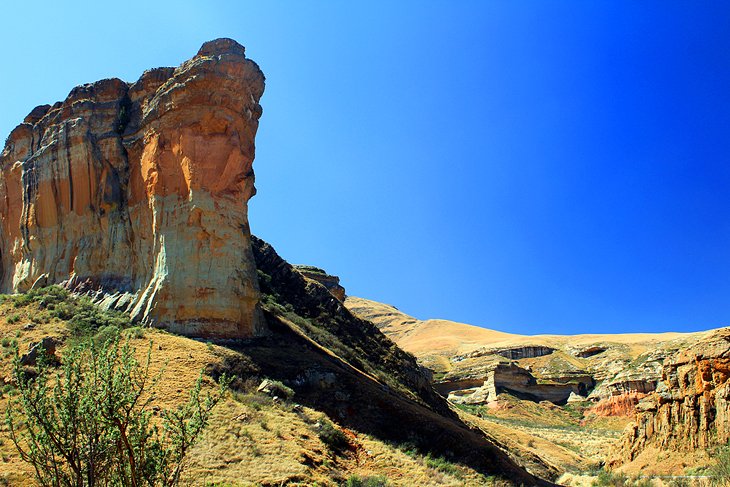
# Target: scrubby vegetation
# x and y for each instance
(259, 436)
(357, 481)
(721, 468)
(82, 317)
(311, 268)
(91, 422)
(332, 436)
(607, 478)
(385, 360)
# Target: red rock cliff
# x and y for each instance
(137, 193)
(690, 409)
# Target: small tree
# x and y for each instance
(90, 422)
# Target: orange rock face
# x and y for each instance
(137, 194)
(690, 410)
(623, 404)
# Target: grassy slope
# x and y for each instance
(251, 440)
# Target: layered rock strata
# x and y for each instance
(690, 409)
(513, 379)
(137, 194)
(512, 353)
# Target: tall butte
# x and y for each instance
(137, 194)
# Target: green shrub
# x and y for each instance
(106, 333)
(607, 478)
(134, 332)
(46, 297)
(332, 436)
(680, 482)
(280, 390)
(442, 465)
(357, 481)
(89, 423)
(83, 317)
(720, 470)
(14, 319)
(409, 448)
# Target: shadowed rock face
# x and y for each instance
(137, 194)
(332, 283)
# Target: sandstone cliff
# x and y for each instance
(690, 409)
(137, 194)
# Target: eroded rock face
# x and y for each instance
(690, 408)
(137, 194)
(513, 379)
(332, 283)
(512, 353)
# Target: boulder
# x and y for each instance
(47, 346)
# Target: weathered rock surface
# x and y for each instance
(47, 346)
(589, 351)
(137, 194)
(343, 365)
(280, 281)
(512, 353)
(332, 283)
(518, 381)
(690, 409)
(619, 405)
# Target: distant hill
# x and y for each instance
(545, 388)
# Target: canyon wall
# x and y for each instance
(136, 194)
(690, 408)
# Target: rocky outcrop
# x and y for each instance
(589, 351)
(137, 195)
(355, 340)
(513, 353)
(690, 409)
(622, 405)
(637, 377)
(518, 381)
(332, 283)
(344, 366)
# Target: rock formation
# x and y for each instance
(512, 353)
(332, 283)
(137, 195)
(511, 378)
(690, 409)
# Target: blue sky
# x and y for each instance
(535, 167)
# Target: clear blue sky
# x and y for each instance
(553, 167)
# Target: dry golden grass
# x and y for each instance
(251, 440)
(443, 337)
(278, 445)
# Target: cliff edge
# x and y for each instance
(136, 193)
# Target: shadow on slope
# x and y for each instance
(346, 367)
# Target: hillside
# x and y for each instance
(124, 215)
(124, 209)
(254, 440)
(565, 398)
